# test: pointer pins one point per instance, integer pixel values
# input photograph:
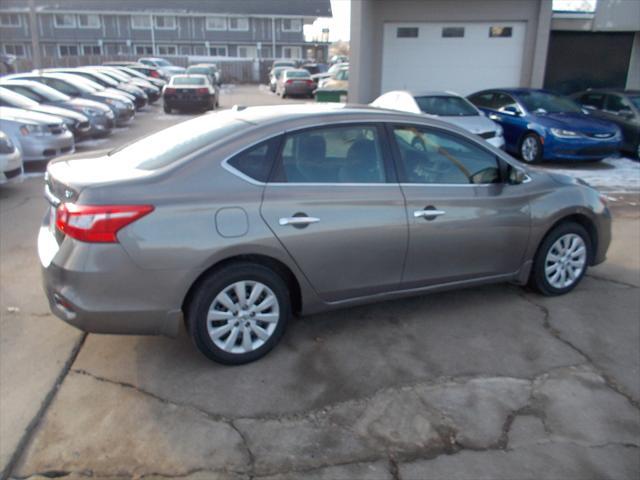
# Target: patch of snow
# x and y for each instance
(613, 175)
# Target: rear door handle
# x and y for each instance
(298, 221)
(428, 214)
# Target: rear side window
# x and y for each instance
(257, 161)
(345, 154)
(484, 100)
(615, 103)
(436, 157)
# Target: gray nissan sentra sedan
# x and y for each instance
(234, 221)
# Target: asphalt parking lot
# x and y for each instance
(492, 382)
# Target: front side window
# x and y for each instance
(239, 23)
(545, 102)
(437, 157)
(165, 22)
(594, 100)
(141, 22)
(615, 103)
(256, 162)
(345, 154)
(484, 100)
(445, 106)
(64, 20)
(89, 21)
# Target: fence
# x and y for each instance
(232, 69)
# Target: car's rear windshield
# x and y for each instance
(188, 81)
(296, 74)
(635, 99)
(162, 63)
(545, 102)
(201, 70)
(445, 106)
(174, 143)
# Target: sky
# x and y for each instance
(339, 25)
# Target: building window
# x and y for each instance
(218, 51)
(140, 22)
(185, 49)
(239, 24)
(291, 25)
(165, 23)
(199, 50)
(67, 50)
(89, 21)
(266, 52)
(291, 52)
(167, 50)
(64, 20)
(216, 23)
(144, 50)
(407, 32)
(10, 20)
(14, 49)
(453, 32)
(500, 32)
(91, 50)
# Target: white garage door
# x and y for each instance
(462, 57)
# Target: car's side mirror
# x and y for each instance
(517, 176)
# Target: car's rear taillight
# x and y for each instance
(289, 81)
(97, 223)
(169, 91)
(154, 74)
(309, 82)
(202, 91)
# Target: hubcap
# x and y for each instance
(243, 316)
(565, 261)
(529, 149)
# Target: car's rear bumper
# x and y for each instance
(97, 288)
(189, 102)
(302, 89)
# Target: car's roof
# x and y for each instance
(189, 75)
(202, 65)
(620, 91)
(427, 93)
(301, 70)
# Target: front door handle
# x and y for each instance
(428, 213)
(298, 221)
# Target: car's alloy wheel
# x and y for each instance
(243, 317)
(531, 148)
(238, 313)
(565, 261)
(562, 259)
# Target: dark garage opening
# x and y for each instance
(581, 60)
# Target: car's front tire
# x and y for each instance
(562, 260)
(239, 313)
(531, 148)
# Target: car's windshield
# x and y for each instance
(342, 75)
(132, 72)
(48, 93)
(635, 99)
(81, 83)
(16, 100)
(174, 143)
(296, 74)
(544, 102)
(188, 81)
(446, 106)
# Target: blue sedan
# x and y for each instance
(539, 125)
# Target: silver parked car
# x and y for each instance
(295, 82)
(38, 136)
(259, 213)
(448, 107)
(10, 160)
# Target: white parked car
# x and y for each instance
(10, 160)
(445, 106)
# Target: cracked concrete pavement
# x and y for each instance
(493, 382)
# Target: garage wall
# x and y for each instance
(368, 18)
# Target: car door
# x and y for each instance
(333, 205)
(618, 110)
(506, 111)
(465, 223)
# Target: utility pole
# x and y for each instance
(35, 36)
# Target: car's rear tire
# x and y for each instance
(231, 330)
(167, 109)
(562, 260)
(531, 148)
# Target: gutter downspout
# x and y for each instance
(273, 36)
(153, 35)
(35, 36)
